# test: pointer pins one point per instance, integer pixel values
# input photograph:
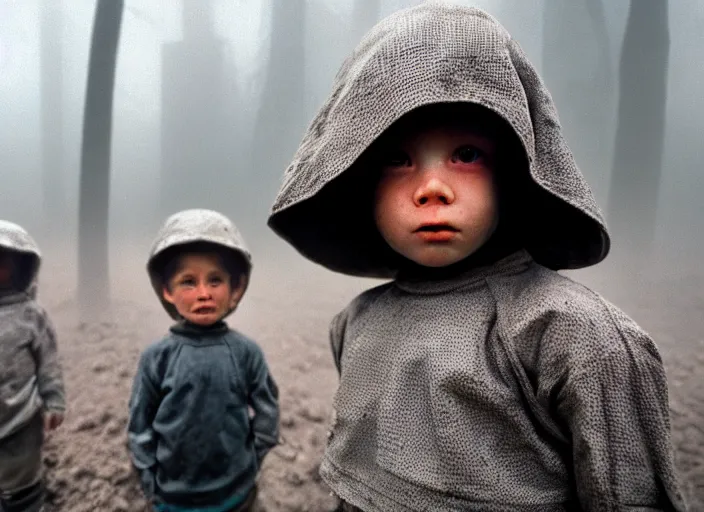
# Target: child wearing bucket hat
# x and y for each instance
(479, 378)
(32, 398)
(190, 433)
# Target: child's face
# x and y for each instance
(436, 201)
(201, 290)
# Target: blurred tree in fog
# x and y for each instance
(199, 102)
(93, 271)
(577, 68)
(637, 163)
(281, 119)
(50, 64)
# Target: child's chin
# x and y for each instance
(438, 259)
(204, 320)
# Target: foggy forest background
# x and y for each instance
(212, 97)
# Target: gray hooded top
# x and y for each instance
(191, 226)
(505, 386)
(31, 377)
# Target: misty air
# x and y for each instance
(117, 114)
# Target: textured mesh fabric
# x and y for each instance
(191, 226)
(432, 53)
(506, 388)
(15, 238)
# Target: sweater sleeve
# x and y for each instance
(617, 411)
(49, 373)
(354, 310)
(264, 399)
(143, 405)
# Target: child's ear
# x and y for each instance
(168, 297)
(238, 291)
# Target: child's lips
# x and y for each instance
(436, 227)
(436, 232)
(204, 310)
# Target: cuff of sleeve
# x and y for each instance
(264, 440)
(54, 405)
(147, 480)
(261, 453)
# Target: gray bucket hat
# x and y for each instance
(434, 53)
(190, 227)
(16, 239)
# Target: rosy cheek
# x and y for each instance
(387, 210)
(392, 194)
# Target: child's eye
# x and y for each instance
(466, 154)
(396, 159)
(216, 280)
(188, 282)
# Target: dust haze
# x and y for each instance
(210, 101)
(212, 97)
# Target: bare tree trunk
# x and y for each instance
(578, 70)
(52, 119)
(595, 10)
(93, 270)
(199, 152)
(637, 163)
(281, 119)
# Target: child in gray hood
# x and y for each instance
(190, 433)
(32, 396)
(479, 378)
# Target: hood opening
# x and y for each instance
(427, 55)
(532, 218)
(24, 268)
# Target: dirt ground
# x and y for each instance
(287, 310)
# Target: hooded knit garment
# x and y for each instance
(30, 373)
(505, 386)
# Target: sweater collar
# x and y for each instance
(192, 330)
(433, 282)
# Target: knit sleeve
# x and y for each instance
(143, 405)
(617, 412)
(49, 373)
(264, 399)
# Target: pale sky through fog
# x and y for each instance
(244, 27)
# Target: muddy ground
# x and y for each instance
(287, 310)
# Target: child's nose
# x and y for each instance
(433, 190)
(203, 291)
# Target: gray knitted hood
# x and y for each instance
(193, 226)
(14, 238)
(429, 54)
